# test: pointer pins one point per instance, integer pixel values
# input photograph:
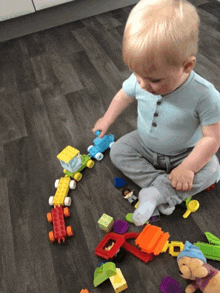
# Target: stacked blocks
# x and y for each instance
(152, 239)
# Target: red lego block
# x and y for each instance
(120, 241)
(114, 237)
(145, 257)
(210, 187)
(60, 231)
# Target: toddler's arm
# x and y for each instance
(181, 177)
(119, 103)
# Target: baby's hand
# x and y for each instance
(101, 125)
(181, 178)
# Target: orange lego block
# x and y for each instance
(152, 239)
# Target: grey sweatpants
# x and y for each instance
(147, 168)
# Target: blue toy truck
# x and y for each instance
(100, 145)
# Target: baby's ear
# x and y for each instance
(197, 269)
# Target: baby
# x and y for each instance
(171, 155)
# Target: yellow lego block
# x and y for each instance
(118, 281)
(137, 204)
(62, 191)
(67, 154)
(175, 244)
(165, 246)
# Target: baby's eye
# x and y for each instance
(156, 80)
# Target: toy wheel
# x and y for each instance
(49, 217)
(90, 164)
(51, 236)
(69, 231)
(89, 148)
(66, 212)
(67, 201)
(72, 184)
(99, 156)
(77, 176)
(51, 200)
(56, 184)
(111, 144)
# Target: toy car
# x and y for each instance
(100, 145)
(73, 162)
(63, 185)
(60, 231)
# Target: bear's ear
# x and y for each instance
(197, 269)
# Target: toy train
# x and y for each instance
(73, 163)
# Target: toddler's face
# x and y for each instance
(161, 80)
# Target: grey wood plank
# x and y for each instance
(12, 125)
(61, 66)
(99, 58)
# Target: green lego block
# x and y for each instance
(106, 222)
(103, 272)
(212, 238)
(210, 251)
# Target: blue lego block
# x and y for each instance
(118, 182)
(100, 145)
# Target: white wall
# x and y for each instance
(15, 8)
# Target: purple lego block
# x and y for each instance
(120, 227)
(169, 285)
(118, 182)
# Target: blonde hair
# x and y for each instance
(165, 30)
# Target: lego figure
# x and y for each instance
(129, 195)
(193, 266)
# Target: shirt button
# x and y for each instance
(155, 114)
(159, 102)
(154, 124)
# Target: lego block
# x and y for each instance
(118, 182)
(118, 281)
(106, 223)
(166, 246)
(152, 239)
(110, 237)
(210, 251)
(212, 239)
(174, 244)
(169, 285)
(192, 207)
(103, 272)
(145, 257)
(100, 145)
(128, 218)
(84, 291)
(120, 227)
(60, 231)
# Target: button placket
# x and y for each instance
(154, 124)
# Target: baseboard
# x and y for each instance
(56, 16)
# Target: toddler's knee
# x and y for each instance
(114, 153)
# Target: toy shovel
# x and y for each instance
(192, 207)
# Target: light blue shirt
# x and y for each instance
(171, 124)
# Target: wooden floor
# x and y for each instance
(54, 85)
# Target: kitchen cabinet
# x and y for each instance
(42, 4)
(15, 8)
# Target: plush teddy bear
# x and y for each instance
(193, 266)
